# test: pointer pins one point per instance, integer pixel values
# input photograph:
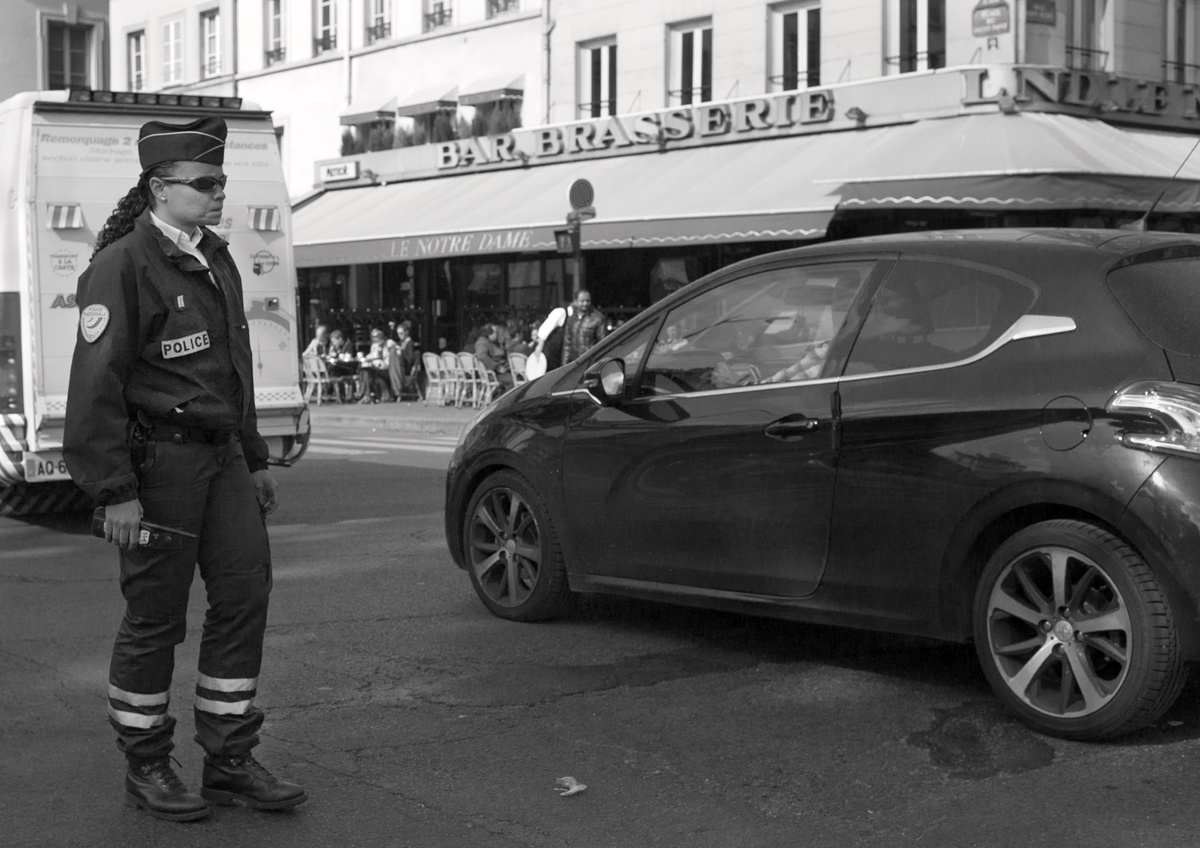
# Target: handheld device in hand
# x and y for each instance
(150, 535)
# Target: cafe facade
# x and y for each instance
(451, 234)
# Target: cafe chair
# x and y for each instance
(436, 384)
(452, 371)
(516, 366)
(483, 381)
(317, 380)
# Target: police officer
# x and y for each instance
(161, 426)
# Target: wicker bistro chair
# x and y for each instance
(317, 380)
(436, 384)
(516, 367)
(453, 373)
(484, 383)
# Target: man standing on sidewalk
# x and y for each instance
(585, 326)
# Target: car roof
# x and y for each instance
(1103, 248)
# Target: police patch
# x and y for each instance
(188, 344)
(92, 321)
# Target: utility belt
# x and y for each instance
(149, 429)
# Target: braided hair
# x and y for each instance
(129, 207)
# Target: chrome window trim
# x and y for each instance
(1025, 327)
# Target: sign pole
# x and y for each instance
(581, 194)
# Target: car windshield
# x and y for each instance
(1163, 299)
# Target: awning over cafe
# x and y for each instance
(427, 100)
(491, 89)
(365, 113)
(745, 192)
(769, 190)
(1026, 161)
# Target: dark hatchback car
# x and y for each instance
(984, 435)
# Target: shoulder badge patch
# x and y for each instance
(92, 321)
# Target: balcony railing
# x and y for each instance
(792, 82)
(1086, 59)
(685, 96)
(1181, 71)
(440, 16)
(909, 62)
(210, 67)
(499, 7)
(379, 32)
(274, 57)
(326, 42)
(599, 109)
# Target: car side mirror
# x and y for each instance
(606, 382)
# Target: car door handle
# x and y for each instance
(791, 427)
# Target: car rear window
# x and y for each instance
(1163, 299)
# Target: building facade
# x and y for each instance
(49, 44)
(430, 146)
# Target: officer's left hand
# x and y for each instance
(265, 489)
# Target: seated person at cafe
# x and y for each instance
(375, 382)
(341, 364)
(319, 346)
(491, 355)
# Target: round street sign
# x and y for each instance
(581, 194)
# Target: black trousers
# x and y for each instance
(206, 490)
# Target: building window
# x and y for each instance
(598, 78)
(437, 14)
(273, 32)
(172, 52)
(1085, 35)
(379, 20)
(325, 28)
(210, 43)
(795, 46)
(499, 7)
(67, 48)
(1180, 64)
(691, 64)
(919, 30)
(135, 59)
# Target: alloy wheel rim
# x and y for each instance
(1059, 632)
(505, 547)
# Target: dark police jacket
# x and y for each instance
(175, 346)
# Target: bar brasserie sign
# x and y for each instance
(704, 121)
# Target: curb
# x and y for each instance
(399, 420)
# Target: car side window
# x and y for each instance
(934, 313)
(774, 326)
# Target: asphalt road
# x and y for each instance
(415, 718)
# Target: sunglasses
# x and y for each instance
(205, 184)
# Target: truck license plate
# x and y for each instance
(40, 467)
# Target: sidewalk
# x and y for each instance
(406, 415)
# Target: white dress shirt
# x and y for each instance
(188, 244)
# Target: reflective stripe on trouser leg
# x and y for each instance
(235, 563)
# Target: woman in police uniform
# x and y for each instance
(161, 426)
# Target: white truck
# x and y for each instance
(66, 158)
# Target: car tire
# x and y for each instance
(1074, 633)
(512, 553)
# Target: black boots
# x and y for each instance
(153, 785)
(243, 780)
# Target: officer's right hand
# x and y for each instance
(121, 523)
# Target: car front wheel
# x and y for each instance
(512, 550)
(1074, 633)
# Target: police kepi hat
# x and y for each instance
(199, 141)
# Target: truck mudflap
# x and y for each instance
(12, 448)
(43, 498)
